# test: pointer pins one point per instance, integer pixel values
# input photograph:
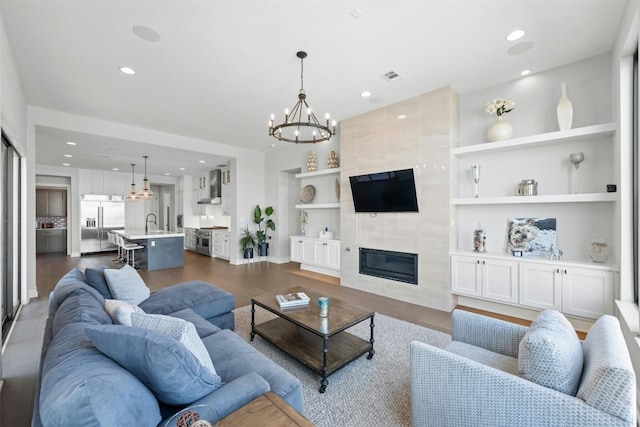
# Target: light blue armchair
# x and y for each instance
(487, 376)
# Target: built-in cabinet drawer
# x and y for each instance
(221, 244)
(579, 290)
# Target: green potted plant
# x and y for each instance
(264, 223)
(247, 242)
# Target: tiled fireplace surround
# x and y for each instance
(380, 141)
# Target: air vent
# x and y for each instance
(392, 76)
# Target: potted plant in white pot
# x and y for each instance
(264, 223)
(248, 242)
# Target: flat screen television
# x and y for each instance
(392, 191)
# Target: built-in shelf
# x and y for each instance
(549, 198)
(318, 206)
(318, 173)
(562, 136)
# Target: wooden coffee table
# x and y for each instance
(268, 410)
(322, 344)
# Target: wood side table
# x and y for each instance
(268, 410)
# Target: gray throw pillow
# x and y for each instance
(126, 284)
(120, 311)
(550, 353)
(162, 364)
(177, 329)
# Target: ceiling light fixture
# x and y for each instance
(146, 192)
(525, 72)
(365, 94)
(133, 194)
(295, 128)
(68, 155)
(514, 35)
(127, 70)
(71, 143)
(66, 164)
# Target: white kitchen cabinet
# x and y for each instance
(221, 244)
(322, 253)
(575, 288)
(226, 175)
(492, 279)
(110, 183)
(190, 238)
(227, 196)
(200, 191)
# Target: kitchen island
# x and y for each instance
(162, 249)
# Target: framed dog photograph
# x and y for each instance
(531, 236)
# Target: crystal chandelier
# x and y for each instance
(133, 194)
(301, 125)
(146, 192)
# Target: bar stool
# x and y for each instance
(114, 240)
(130, 250)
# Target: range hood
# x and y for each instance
(215, 189)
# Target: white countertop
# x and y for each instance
(139, 234)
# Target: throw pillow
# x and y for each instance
(550, 353)
(95, 278)
(120, 311)
(127, 285)
(178, 329)
(162, 364)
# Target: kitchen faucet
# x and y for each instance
(146, 222)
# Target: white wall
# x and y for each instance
(283, 192)
(536, 97)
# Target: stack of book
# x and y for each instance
(294, 299)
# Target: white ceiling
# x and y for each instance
(222, 67)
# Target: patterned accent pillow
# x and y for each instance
(178, 329)
(550, 353)
(120, 311)
(126, 284)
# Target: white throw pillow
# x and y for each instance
(120, 311)
(178, 329)
(126, 284)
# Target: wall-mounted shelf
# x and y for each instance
(549, 198)
(318, 173)
(578, 134)
(318, 206)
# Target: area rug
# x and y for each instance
(372, 392)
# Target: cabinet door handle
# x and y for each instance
(565, 271)
(483, 263)
(557, 270)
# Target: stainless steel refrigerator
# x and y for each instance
(100, 214)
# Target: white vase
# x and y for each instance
(500, 130)
(564, 110)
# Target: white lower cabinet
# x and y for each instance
(573, 289)
(221, 244)
(489, 278)
(322, 253)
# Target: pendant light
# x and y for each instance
(133, 194)
(146, 192)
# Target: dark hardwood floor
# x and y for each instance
(245, 281)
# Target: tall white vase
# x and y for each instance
(564, 110)
(500, 130)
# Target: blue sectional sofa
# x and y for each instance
(79, 385)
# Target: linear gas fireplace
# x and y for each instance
(400, 266)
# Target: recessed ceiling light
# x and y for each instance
(167, 173)
(127, 70)
(71, 143)
(356, 13)
(514, 35)
(181, 169)
(104, 156)
(115, 169)
(273, 144)
(402, 116)
(365, 94)
(66, 164)
(146, 33)
(202, 161)
(525, 72)
(68, 155)
(520, 48)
